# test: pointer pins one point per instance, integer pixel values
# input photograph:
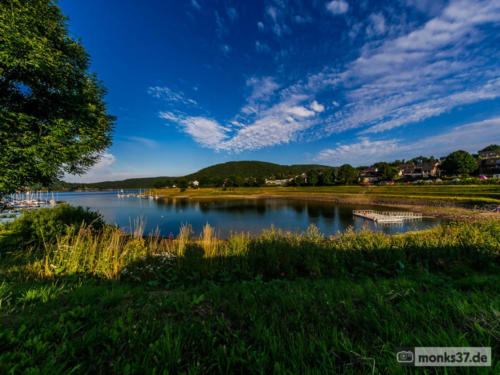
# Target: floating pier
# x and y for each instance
(387, 216)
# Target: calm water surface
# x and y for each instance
(227, 215)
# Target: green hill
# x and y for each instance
(217, 172)
(252, 169)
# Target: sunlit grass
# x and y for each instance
(112, 254)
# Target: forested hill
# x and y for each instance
(255, 169)
(210, 175)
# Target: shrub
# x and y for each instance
(38, 227)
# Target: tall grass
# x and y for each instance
(111, 254)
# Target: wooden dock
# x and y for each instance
(387, 216)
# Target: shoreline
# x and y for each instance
(429, 209)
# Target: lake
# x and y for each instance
(237, 215)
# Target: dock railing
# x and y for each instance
(387, 215)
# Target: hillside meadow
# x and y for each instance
(85, 297)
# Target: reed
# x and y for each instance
(112, 254)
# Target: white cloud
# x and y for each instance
(170, 95)
(281, 123)
(337, 7)
(363, 151)
(221, 29)
(299, 111)
(232, 13)
(431, 7)
(276, 16)
(470, 137)
(261, 47)
(316, 107)
(421, 74)
(205, 131)
(146, 142)
(402, 77)
(262, 89)
(302, 19)
(104, 170)
(377, 25)
(168, 116)
(195, 5)
(225, 49)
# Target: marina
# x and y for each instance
(140, 195)
(12, 205)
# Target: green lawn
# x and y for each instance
(252, 327)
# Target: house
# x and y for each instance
(277, 182)
(427, 170)
(195, 183)
(406, 170)
(490, 165)
(369, 175)
(489, 154)
(424, 170)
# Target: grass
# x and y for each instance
(253, 327)
(445, 194)
(100, 301)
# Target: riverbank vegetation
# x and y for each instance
(444, 195)
(90, 298)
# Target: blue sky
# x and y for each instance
(194, 83)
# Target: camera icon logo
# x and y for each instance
(404, 356)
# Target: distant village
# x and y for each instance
(458, 167)
(417, 170)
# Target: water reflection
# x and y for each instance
(229, 215)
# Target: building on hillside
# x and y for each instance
(369, 175)
(490, 166)
(194, 183)
(489, 154)
(428, 170)
(277, 182)
(406, 170)
(411, 171)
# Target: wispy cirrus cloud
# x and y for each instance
(471, 137)
(402, 75)
(149, 143)
(169, 95)
(195, 5)
(205, 131)
(336, 7)
(281, 123)
(362, 151)
(262, 90)
(424, 73)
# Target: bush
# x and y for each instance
(36, 227)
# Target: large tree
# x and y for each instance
(386, 171)
(53, 118)
(491, 148)
(459, 162)
(347, 174)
